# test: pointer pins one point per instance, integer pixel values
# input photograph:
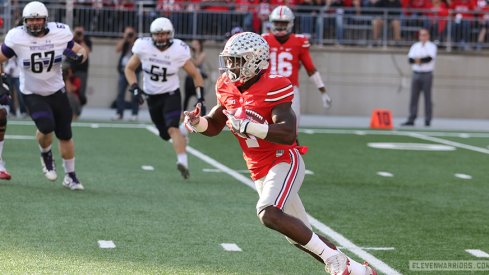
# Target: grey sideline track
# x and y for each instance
(105, 114)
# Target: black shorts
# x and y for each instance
(51, 113)
(165, 110)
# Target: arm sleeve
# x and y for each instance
(426, 59)
(7, 51)
(70, 44)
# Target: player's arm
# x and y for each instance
(3, 59)
(80, 50)
(209, 125)
(75, 53)
(130, 69)
(5, 54)
(315, 77)
(191, 70)
(281, 131)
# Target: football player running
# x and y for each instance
(4, 100)
(256, 106)
(287, 51)
(40, 46)
(161, 57)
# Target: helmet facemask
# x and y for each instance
(162, 40)
(281, 28)
(36, 29)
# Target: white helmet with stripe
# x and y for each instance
(162, 25)
(35, 9)
(282, 19)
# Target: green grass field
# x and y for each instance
(162, 224)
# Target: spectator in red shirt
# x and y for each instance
(463, 16)
(436, 22)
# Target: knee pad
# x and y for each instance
(64, 134)
(45, 125)
(163, 131)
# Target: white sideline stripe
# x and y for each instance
(478, 253)
(106, 244)
(452, 143)
(231, 247)
(19, 137)
(213, 170)
(378, 264)
(371, 248)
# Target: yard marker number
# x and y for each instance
(231, 247)
(478, 253)
(106, 244)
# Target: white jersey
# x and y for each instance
(40, 58)
(161, 67)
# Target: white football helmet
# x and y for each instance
(162, 25)
(282, 14)
(244, 56)
(35, 9)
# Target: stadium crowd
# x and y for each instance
(459, 23)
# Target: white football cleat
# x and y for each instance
(48, 166)
(338, 264)
(72, 182)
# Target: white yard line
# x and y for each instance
(451, 143)
(340, 239)
(19, 137)
(395, 133)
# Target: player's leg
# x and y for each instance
(4, 174)
(281, 209)
(63, 116)
(172, 112)
(165, 115)
(42, 115)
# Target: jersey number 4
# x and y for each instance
(281, 63)
(38, 61)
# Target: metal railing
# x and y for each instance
(371, 27)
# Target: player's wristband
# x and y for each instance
(202, 125)
(256, 129)
(199, 92)
(316, 78)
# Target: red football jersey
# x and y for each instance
(270, 90)
(286, 59)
